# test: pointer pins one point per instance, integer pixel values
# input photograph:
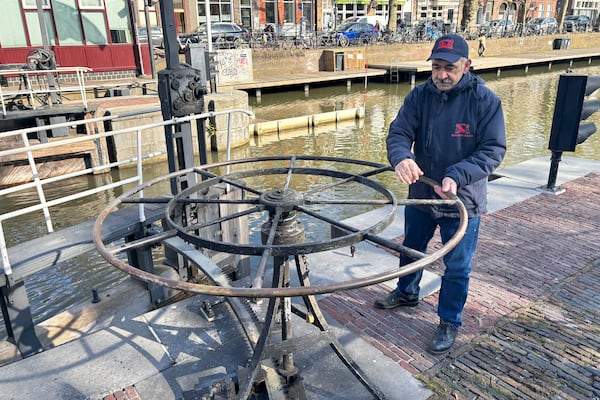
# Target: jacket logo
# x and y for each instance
(462, 130)
(446, 44)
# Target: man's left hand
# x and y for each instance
(448, 186)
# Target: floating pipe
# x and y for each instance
(307, 121)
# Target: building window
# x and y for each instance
(33, 4)
(117, 14)
(246, 13)
(220, 11)
(269, 12)
(35, 33)
(90, 4)
(11, 32)
(94, 28)
(289, 14)
(68, 26)
(307, 15)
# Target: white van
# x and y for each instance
(370, 19)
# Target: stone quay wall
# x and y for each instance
(269, 63)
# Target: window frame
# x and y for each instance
(90, 8)
(26, 7)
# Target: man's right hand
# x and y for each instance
(408, 171)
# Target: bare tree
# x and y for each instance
(568, 4)
(469, 15)
(393, 15)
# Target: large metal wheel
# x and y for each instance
(292, 188)
(288, 194)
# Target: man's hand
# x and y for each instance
(408, 171)
(448, 186)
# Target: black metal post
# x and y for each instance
(554, 161)
(150, 44)
(169, 34)
(46, 46)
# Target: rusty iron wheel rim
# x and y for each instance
(292, 291)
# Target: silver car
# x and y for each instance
(156, 34)
(576, 23)
(542, 26)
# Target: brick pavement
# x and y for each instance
(128, 393)
(531, 322)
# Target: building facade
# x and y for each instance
(591, 8)
(98, 34)
(101, 34)
(290, 16)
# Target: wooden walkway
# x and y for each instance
(305, 80)
(412, 69)
(408, 71)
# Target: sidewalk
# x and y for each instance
(532, 321)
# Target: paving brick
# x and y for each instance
(532, 319)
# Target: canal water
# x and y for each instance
(528, 100)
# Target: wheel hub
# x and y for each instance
(286, 199)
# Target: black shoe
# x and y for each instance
(395, 299)
(443, 338)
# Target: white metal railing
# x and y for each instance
(38, 183)
(43, 88)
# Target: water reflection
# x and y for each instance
(528, 101)
(527, 98)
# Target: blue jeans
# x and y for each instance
(419, 227)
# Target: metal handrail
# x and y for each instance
(38, 183)
(30, 92)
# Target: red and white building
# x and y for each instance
(98, 34)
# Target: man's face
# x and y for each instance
(446, 75)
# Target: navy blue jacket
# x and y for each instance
(458, 133)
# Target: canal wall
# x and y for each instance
(124, 147)
(269, 63)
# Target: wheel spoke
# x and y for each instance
(260, 272)
(144, 242)
(145, 200)
(288, 177)
(347, 202)
(345, 180)
(228, 181)
(223, 219)
(217, 201)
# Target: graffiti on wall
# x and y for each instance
(234, 65)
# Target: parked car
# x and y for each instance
(430, 29)
(156, 35)
(225, 35)
(498, 27)
(351, 33)
(577, 23)
(369, 19)
(542, 26)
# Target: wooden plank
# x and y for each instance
(301, 79)
(491, 64)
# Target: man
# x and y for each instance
(450, 129)
(481, 48)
